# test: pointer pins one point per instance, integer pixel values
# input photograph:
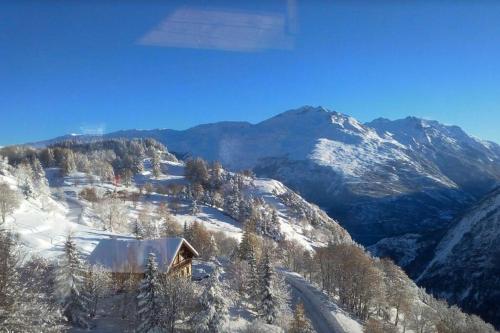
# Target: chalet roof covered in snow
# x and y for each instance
(130, 255)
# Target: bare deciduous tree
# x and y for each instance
(113, 213)
(9, 201)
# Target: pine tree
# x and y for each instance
(40, 183)
(23, 306)
(138, 229)
(274, 225)
(68, 164)
(216, 175)
(195, 209)
(70, 285)
(187, 232)
(253, 287)
(268, 302)
(248, 244)
(27, 188)
(25, 178)
(232, 204)
(155, 164)
(47, 157)
(150, 299)
(38, 172)
(214, 313)
(212, 247)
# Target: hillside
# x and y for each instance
(42, 223)
(465, 268)
(137, 189)
(43, 228)
(384, 180)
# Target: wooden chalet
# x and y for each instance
(125, 257)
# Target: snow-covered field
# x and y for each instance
(43, 225)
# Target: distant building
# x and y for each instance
(122, 257)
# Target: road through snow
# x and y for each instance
(318, 307)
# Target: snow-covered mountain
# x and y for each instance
(448, 148)
(465, 268)
(384, 179)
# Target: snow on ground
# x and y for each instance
(290, 227)
(44, 230)
(348, 324)
(326, 316)
(456, 234)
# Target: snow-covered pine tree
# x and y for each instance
(37, 168)
(23, 307)
(248, 242)
(231, 204)
(274, 296)
(274, 225)
(216, 174)
(25, 178)
(70, 285)
(27, 188)
(253, 287)
(246, 209)
(195, 209)
(212, 248)
(268, 307)
(68, 164)
(47, 157)
(155, 164)
(11, 290)
(150, 299)
(214, 313)
(138, 229)
(187, 233)
(40, 183)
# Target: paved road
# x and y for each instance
(316, 304)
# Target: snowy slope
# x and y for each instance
(44, 230)
(383, 180)
(465, 268)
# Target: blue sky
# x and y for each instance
(89, 66)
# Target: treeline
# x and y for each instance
(104, 158)
(211, 185)
(378, 292)
(259, 286)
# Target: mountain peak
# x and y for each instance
(304, 110)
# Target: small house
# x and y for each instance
(123, 257)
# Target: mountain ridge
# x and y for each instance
(397, 186)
